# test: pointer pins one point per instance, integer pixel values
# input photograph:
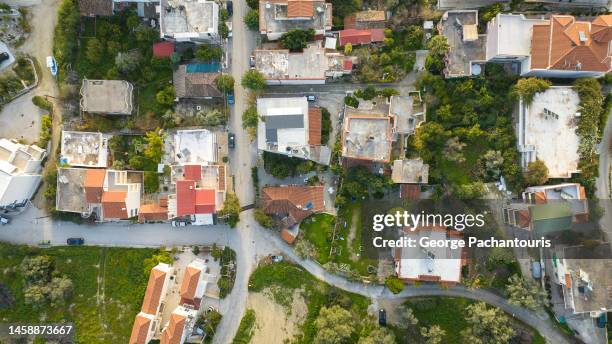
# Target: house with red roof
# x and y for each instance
(558, 47)
(109, 195)
(199, 192)
(360, 36)
(146, 323)
(163, 49)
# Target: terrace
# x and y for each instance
(84, 149)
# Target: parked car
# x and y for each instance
(231, 140)
(4, 56)
(229, 28)
(252, 61)
(230, 98)
(311, 97)
(229, 6)
(277, 259)
(382, 317)
(4, 220)
(75, 241)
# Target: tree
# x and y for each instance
(487, 325)
(380, 335)
(453, 150)
(231, 209)
(493, 163)
(348, 49)
(537, 173)
(528, 87)
(126, 62)
(438, 45)
(250, 118)
(408, 318)
(253, 80)
(297, 40)
(251, 20)
(165, 96)
(37, 268)
(394, 284)
(433, 334)
(367, 93)
(155, 146)
(500, 256)
(207, 52)
(351, 101)
(254, 4)
(525, 293)
(151, 182)
(60, 289)
(334, 325)
(95, 51)
(160, 256)
(225, 83)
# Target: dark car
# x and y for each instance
(3, 57)
(382, 317)
(230, 8)
(75, 241)
(231, 140)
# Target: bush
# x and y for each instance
(528, 87)
(208, 53)
(245, 330)
(537, 173)
(250, 118)
(263, 219)
(225, 83)
(165, 97)
(394, 284)
(351, 101)
(46, 124)
(151, 182)
(42, 103)
(65, 39)
(251, 20)
(253, 80)
(231, 209)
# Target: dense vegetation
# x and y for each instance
(468, 136)
(281, 166)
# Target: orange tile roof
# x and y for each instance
(174, 331)
(153, 295)
(540, 197)
(314, 126)
(287, 236)
(568, 281)
(292, 200)
(152, 212)
(140, 330)
(113, 205)
(300, 8)
(190, 283)
(557, 45)
(192, 172)
(94, 178)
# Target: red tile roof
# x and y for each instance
(300, 8)
(192, 172)
(293, 200)
(140, 330)
(174, 331)
(314, 126)
(163, 49)
(94, 182)
(152, 297)
(347, 65)
(190, 285)
(205, 201)
(378, 35)
(558, 44)
(288, 236)
(185, 197)
(354, 37)
(152, 212)
(113, 205)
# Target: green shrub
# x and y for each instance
(394, 284)
(351, 101)
(245, 330)
(326, 126)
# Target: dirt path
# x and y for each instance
(351, 236)
(273, 324)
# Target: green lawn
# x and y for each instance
(285, 278)
(318, 230)
(102, 312)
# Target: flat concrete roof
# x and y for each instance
(461, 52)
(367, 137)
(86, 149)
(284, 124)
(312, 63)
(189, 18)
(107, 96)
(547, 128)
(410, 171)
(195, 146)
(71, 190)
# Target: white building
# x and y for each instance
(546, 131)
(179, 327)
(290, 128)
(279, 16)
(20, 167)
(440, 264)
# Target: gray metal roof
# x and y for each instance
(284, 122)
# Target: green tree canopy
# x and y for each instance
(254, 80)
(334, 325)
(225, 83)
(251, 20)
(528, 87)
(296, 40)
(488, 325)
(537, 173)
